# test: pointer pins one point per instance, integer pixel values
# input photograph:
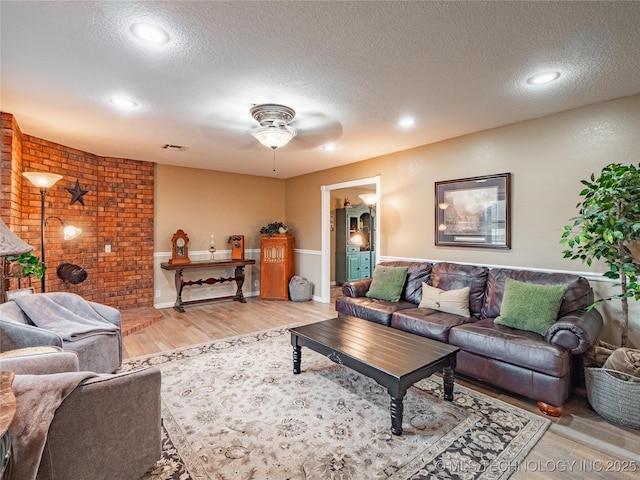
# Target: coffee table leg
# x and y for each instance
(447, 374)
(397, 408)
(297, 357)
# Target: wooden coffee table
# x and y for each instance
(393, 358)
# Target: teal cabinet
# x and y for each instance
(354, 258)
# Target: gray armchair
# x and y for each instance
(108, 427)
(96, 353)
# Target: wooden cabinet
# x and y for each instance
(276, 266)
(354, 258)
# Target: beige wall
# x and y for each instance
(547, 158)
(205, 202)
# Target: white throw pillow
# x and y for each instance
(448, 301)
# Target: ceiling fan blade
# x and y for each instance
(315, 129)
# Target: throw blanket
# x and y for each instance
(37, 399)
(67, 314)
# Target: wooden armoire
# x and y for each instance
(276, 266)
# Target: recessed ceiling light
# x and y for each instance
(123, 102)
(542, 78)
(149, 33)
(330, 147)
(407, 122)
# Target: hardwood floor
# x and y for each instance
(578, 445)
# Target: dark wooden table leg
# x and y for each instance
(239, 282)
(397, 409)
(179, 285)
(447, 374)
(297, 358)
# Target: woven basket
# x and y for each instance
(300, 292)
(614, 399)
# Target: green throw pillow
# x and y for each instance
(530, 306)
(387, 283)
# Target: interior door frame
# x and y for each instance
(325, 221)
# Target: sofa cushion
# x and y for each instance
(530, 306)
(517, 347)
(454, 276)
(378, 311)
(417, 273)
(427, 322)
(387, 283)
(448, 301)
(578, 296)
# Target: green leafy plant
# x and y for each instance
(273, 228)
(31, 265)
(607, 225)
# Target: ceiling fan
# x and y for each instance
(280, 125)
(274, 119)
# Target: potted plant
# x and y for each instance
(24, 265)
(607, 226)
(274, 228)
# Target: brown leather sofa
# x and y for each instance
(542, 368)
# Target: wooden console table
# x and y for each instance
(180, 283)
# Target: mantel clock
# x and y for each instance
(179, 248)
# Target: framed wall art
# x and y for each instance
(474, 212)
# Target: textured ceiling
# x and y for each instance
(349, 69)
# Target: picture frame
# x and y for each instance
(11, 294)
(474, 212)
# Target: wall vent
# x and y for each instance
(175, 148)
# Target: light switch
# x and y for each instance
(107, 249)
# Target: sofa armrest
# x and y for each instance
(40, 363)
(576, 331)
(357, 288)
(18, 335)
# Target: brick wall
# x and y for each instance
(118, 210)
(10, 168)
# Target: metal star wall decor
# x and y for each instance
(77, 194)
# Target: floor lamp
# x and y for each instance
(370, 199)
(44, 181)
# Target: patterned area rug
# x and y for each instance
(233, 409)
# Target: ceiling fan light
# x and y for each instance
(274, 136)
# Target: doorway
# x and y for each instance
(325, 192)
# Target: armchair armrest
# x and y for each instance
(39, 363)
(109, 313)
(357, 288)
(18, 335)
(113, 421)
(576, 331)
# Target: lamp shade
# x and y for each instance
(275, 136)
(10, 243)
(369, 198)
(70, 232)
(42, 180)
